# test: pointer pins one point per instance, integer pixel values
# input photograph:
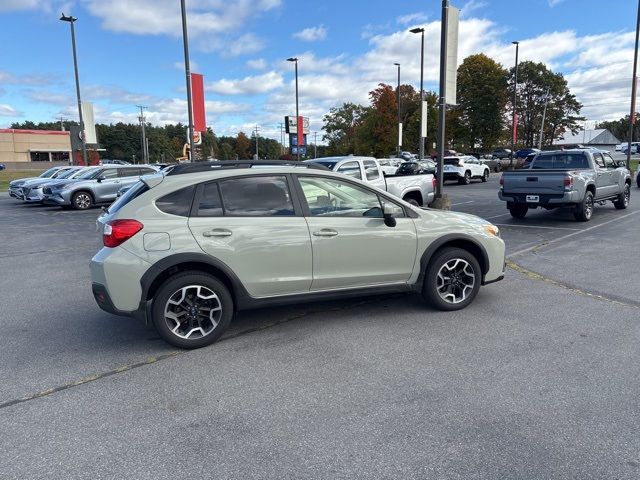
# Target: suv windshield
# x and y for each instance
(68, 173)
(89, 174)
(48, 173)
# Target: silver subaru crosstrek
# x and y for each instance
(186, 249)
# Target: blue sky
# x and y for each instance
(130, 52)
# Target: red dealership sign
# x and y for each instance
(197, 95)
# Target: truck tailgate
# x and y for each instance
(534, 182)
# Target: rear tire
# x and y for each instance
(412, 201)
(452, 279)
(466, 180)
(192, 310)
(584, 210)
(622, 201)
(518, 210)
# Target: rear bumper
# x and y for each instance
(555, 199)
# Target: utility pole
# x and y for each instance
(62, 124)
(187, 69)
(514, 120)
(143, 140)
(544, 114)
(399, 148)
(422, 109)
(634, 86)
(257, 151)
(281, 125)
(443, 100)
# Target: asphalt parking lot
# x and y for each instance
(538, 378)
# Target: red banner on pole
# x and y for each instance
(300, 131)
(515, 128)
(197, 95)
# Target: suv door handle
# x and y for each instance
(325, 232)
(217, 232)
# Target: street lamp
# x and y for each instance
(514, 133)
(71, 21)
(187, 69)
(295, 60)
(422, 110)
(399, 120)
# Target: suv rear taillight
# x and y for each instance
(568, 182)
(434, 182)
(501, 180)
(117, 232)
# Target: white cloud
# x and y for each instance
(179, 65)
(43, 5)
(244, 45)
(257, 63)
(412, 18)
(311, 34)
(251, 85)
(472, 6)
(8, 111)
(553, 3)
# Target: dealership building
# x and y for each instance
(24, 146)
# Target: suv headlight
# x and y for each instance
(492, 230)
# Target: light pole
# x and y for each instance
(295, 60)
(632, 114)
(315, 144)
(143, 141)
(514, 133)
(185, 40)
(422, 110)
(71, 21)
(399, 118)
(544, 115)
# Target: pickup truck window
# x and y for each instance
(352, 169)
(561, 161)
(608, 162)
(371, 170)
(599, 160)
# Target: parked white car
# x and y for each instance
(463, 168)
(389, 166)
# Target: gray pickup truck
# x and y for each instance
(568, 178)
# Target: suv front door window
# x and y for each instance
(251, 225)
(351, 244)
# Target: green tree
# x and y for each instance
(340, 126)
(243, 146)
(534, 80)
(482, 97)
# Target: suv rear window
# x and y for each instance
(135, 191)
(451, 161)
(177, 203)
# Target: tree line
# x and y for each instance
(480, 121)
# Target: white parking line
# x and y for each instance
(535, 226)
(462, 203)
(556, 240)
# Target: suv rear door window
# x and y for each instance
(210, 204)
(128, 172)
(261, 196)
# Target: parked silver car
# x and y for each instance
(97, 186)
(32, 190)
(15, 186)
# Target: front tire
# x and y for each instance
(518, 210)
(584, 210)
(622, 202)
(452, 279)
(485, 176)
(192, 310)
(412, 201)
(81, 200)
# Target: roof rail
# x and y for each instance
(230, 164)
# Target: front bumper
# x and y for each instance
(34, 196)
(56, 198)
(15, 192)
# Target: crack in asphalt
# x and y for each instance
(176, 353)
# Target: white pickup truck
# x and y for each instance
(417, 190)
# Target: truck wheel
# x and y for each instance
(466, 180)
(518, 210)
(622, 201)
(498, 168)
(452, 279)
(412, 201)
(584, 210)
(485, 175)
(192, 309)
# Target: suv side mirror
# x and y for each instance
(100, 178)
(622, 163)
(387, 212)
